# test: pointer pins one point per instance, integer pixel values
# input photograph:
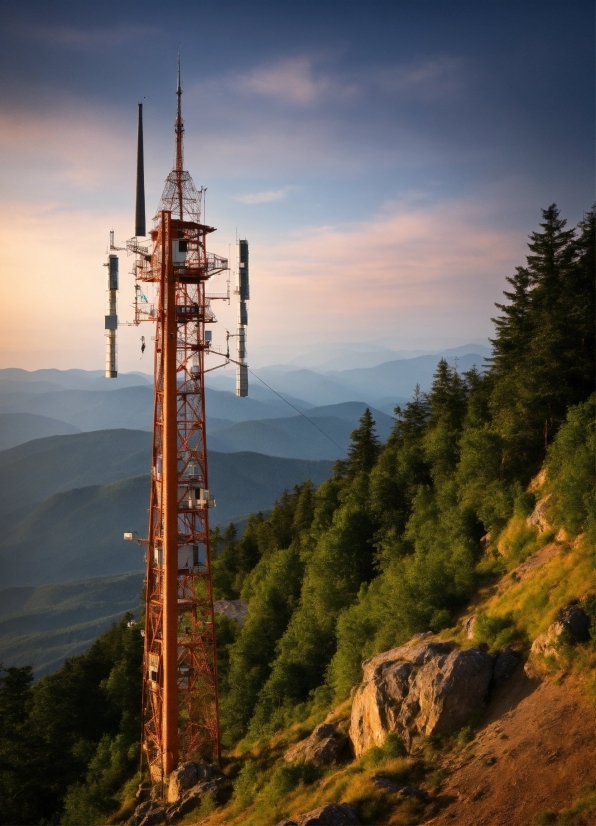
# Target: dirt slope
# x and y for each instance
(534, 753)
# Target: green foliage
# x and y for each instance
(571, 471)
(288, 777)
(72, 738)
(497, 632)
(236, 558)
(365, 446)
(393, 746)
(247, 783)
(544, 352)
(275, 589)
(23, 801)
(340, 562)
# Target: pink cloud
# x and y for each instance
(414, 266)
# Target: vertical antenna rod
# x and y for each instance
(111, 318)
(140, 228)
(244, 293)
(179, 130)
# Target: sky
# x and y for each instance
(385, 160)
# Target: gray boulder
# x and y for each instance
(218, 788)
(572, 625)
(324, 747)
(421, 689)
(148, 813)
(151, 815)
(575, 622)
(395, 788)
(505, 665)
(333, 814)
(538, 519)
(234, 609)
(186, 776)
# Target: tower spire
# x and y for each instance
(180, 196)
(179, 130)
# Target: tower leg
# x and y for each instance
(170, 509)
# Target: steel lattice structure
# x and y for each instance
(180, 704)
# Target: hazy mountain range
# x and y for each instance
(75, 453)
(41, 626)
(67, 500)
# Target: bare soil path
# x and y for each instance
(534, 753)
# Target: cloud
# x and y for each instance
(290, 80)
(83, 39)
(266, 197)
(428, 80)
(311, 80)
(84, 146)
(415, 267)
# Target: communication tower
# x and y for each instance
(180, 702)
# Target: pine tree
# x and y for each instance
(364, 448)
(536, 375)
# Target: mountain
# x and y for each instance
(398, 378)
(394, 379)
(130, 407)
(73, 531)
(77, 534)
(225, 404)
(87, 401)
(323, 432)
(16, 428)
(35, 380)
(344, 356)
(41, 626)
(308, 385)
(35, 470)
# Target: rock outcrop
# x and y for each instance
(333, 814)
(394, 788)
(324, 747)
(421, 689)
(186, 776)
(505, 665)
(218, 789)
(149, 813)
(190, 783)
(234, 609)
(572, 625)
(537, 518)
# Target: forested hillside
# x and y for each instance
(395, 542)
(392, 544)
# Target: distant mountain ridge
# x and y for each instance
(40, 626)
(322, 432)
(67, 500)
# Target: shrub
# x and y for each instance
(496, 631)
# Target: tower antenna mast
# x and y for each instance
(180, 702)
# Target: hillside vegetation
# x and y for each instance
(403, 538)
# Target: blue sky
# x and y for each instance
(386, 160)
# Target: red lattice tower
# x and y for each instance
(180, 705)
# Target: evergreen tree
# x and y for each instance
(536, 375)
(364, 448)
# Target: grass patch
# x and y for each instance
(518, 541)
(581, 813)
(535, 601)
(496, 631)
